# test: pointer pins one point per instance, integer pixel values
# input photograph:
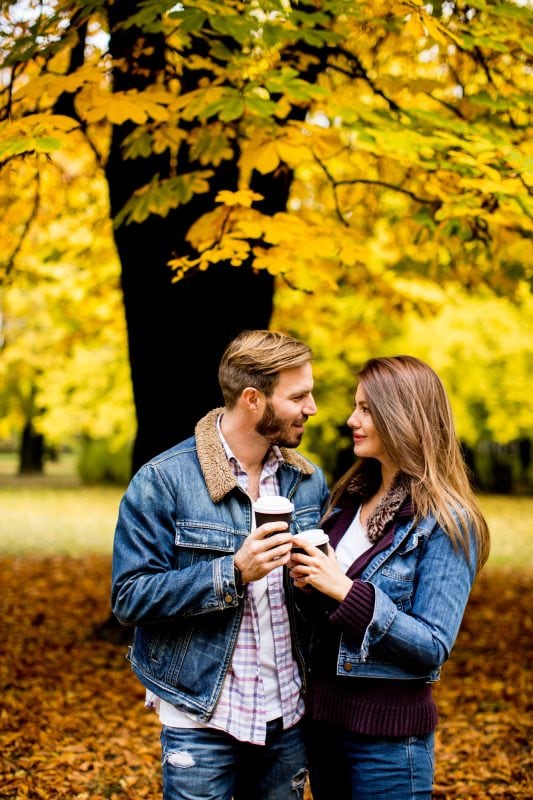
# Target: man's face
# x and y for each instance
(289, 408)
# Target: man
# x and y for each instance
(218, 643)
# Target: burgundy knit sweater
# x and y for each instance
(370, 707)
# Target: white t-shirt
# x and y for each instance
(353, 543)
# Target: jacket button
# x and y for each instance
(347, 666)
(229, 598)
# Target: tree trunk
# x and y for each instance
(176, 331)
(31, 456)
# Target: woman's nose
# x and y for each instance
(353, 421)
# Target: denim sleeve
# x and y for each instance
(422, 636)
(324, 493)
(146, 586)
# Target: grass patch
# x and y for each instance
(510, 521)
(64, 520)
(54, 513)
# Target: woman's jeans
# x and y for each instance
(345, 766)
(207, 764)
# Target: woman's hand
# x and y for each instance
(314, 568)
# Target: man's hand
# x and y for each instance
(266, 548)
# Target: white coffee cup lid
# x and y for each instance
(272, 504)
(314, 536)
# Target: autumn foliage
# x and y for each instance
(371, 162)
(73, 723)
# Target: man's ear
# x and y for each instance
(253, 399)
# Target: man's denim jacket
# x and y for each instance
(180, 522)
(421, 587)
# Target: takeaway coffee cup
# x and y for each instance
(314, 536)
(272, 509)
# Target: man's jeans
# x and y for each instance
(207, 764)
(366, 767)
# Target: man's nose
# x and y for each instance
(310, 406)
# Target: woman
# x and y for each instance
(407, 539)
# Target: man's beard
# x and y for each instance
(276, 429)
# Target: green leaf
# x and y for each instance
(219, 51)
(498, 103)
(138, 144)
(150, 16)
(288, 82)
(239, 28)
(192, 19)
(233, 109)
(159, 197)
(47, 143)
(259, 106)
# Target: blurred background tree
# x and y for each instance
(64, 377)
(355, 174)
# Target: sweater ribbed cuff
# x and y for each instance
(355, 612)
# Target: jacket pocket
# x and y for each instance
(397, 575)
(204, 536)
(201, 541)
(401, 566)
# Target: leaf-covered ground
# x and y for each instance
(72, 722)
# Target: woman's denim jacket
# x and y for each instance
(421, 587)
(180, 522)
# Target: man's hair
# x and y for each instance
(255, 358)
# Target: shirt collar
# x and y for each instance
(273, 458)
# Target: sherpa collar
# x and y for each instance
(388, 506)
(214, 464)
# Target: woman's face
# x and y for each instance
(366, 440)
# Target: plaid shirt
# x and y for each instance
(242, 710)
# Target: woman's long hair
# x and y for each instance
(412, 414)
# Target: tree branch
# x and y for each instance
(334, 185)
(26, 227)
(423, 200)
(359, 71)
(447, 105)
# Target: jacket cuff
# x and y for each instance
(355, 612)
(239, 583)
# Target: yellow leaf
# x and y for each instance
(95, 104)
(435, 30)
(54, 85)
(249, 225)
(243, 197)
(267, 158)
(208, 228)
(260, 154)
(168, 137)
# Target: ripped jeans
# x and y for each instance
(208, 764)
